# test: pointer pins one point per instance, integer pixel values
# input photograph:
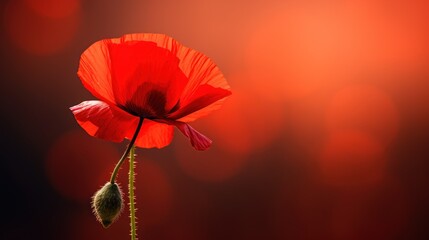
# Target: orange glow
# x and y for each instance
(392, 34)
(86, 160)
(54, 8)
(277, 56)
(38, 34)
(352, 159)
(363, 108)
(298, 47)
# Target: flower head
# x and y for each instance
(149, 76)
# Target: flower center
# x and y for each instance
(151, 105)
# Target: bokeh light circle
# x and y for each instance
(38, 34)
(54, 8)
(352, 159)
(249, 120)
(363, 108)
(77, 165)
(154, 194)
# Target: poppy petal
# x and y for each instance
(203, 97)
(198, 140)
(146, 79)
(94, 71)
(104, 121)
(195, 65)
(198, 68)
(152, 134)
(204, 78)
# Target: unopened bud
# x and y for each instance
(107, 204)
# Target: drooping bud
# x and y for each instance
(107, 204)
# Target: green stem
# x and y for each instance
(118, 165)
(131, 196)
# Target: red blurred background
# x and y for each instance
(326, 134)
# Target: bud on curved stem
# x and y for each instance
(107, 204)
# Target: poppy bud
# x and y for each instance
(107, 204)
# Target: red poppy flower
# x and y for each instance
(150, 77)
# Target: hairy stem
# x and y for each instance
(132, 197)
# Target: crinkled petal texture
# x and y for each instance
(204, 77)
(153, 74)
(108, 122)
(146, 79)
(154, 77)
